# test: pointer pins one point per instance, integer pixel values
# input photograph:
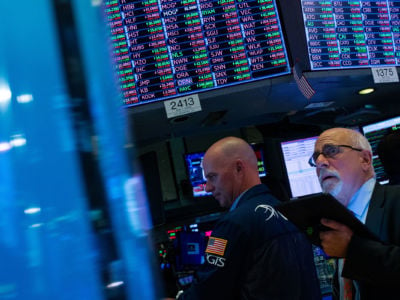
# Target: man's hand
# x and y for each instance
(335, 241)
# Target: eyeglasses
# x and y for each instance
(329, 151)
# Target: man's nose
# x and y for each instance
(321, 161)
(209, 187)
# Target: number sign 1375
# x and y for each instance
(385, 74)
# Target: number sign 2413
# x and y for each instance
(182, 106)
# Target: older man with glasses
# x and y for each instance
(343, 162)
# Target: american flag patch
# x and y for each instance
(216, 246)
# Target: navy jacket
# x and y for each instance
(255, 253)
(376, 265)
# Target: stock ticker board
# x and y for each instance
(166, 49)
(352, 34)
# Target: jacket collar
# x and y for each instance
(375, 211)
(252, 192)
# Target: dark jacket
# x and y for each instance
(255, 253)
(376, 265)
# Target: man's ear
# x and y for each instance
(239, 165)
(366, 159)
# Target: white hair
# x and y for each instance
(360, 141)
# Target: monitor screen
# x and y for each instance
(167, 49)
(302, 177)
(195, 171)
(190, 249)
(193, 162)
(374, 132)
(352, 34)
(260, 159)
(189, 241)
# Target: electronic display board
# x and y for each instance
(169, 48)
(352, 34)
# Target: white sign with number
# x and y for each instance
(182, 106)
(385, 74)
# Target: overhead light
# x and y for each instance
(366, 91)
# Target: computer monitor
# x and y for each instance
(169, 49)
(355, 34)
(374, 133)
(193, 162)
(258, 150)
(190, 249)
(302, 177)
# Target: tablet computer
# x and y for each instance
(306, 212)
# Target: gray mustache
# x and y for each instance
(324, 173)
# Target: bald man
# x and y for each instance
(343, 161)
(253, 251)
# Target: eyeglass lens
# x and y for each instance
(327, 151)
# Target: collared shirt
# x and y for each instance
(359, 203)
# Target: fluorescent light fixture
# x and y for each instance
(366, 91)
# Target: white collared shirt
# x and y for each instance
(359, 203)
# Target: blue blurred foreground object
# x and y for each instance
(73, 215)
